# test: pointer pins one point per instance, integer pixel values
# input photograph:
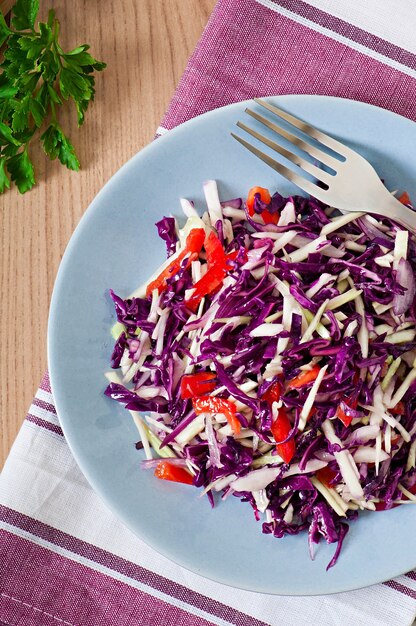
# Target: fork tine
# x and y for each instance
(328, 141)
(301, 182)
(313, 151)
(293, 158)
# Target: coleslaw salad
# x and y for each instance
(272, 357)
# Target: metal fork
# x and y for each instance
(352, 185)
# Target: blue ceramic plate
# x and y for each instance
(116, 245)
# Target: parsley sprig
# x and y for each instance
(36, 77)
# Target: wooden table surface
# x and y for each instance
(146, 44)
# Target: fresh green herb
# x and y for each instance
(36, 77)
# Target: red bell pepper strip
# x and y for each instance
(381, 506)
(212, 404)
(193, 246)
(251, 197)
(217, 269)
(326, 475)
(195, 240)
(281, 427)
(232, 256)
(304, 378)
(218, 265)
(268, 218)
(214, 249)
(167, 471)
(198, 384)
(206, 285)
(399, 409)
(404, 198)
(345, 419)
(273, 393)
(344, 416)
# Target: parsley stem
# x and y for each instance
(57, 55)
(56, 27)
(53, 112)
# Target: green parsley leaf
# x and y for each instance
(16, 62)
(49, 66)
(56, 144)
(25, 12)
(49, 141)
(77, 50)
(20, 120)
(6, 135)
(7, 89)
(83, 59)
(81, 106)
(46, 34)
(38, 112)
(74, 85)
(11, 149)
(29, 81)
(54, 96)
(4, 30)
(4, 179)
(51, 17)
(21, 171)
(32, 46)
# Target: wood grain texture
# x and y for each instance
(5, 6)
(146, 44)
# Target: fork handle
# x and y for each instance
(387, 205)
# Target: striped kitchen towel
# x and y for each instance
(64, 558)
